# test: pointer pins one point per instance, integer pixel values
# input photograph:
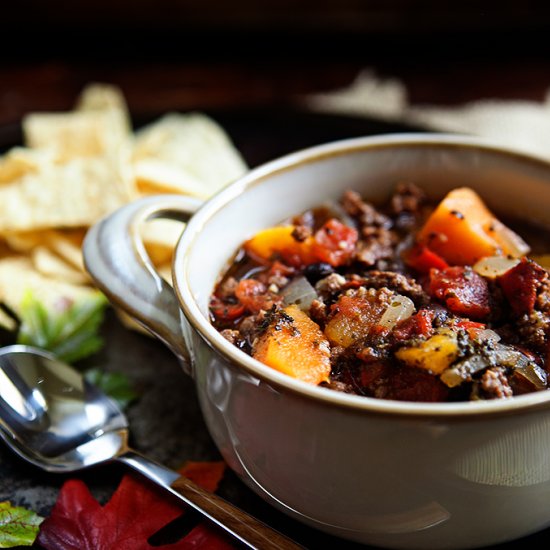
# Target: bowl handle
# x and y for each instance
(115, 257)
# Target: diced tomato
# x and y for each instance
(471, 327)
(280, 269)
(462, 290)
(297, 256)
(467, 325)
(424, 319)
(334, 243)
(419, 324)
(254, 296)
(412, 384)
(371, 373)
(520, 285)
(277, 269)
(225, 312)
(380, 379)
(353, 318)
(421, 258)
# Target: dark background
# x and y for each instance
(169, 54)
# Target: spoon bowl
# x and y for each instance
(55, 419)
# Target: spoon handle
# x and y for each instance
(248, 530)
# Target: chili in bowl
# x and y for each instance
(407, 301)
(368, 463)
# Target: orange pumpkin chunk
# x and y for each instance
(295, 345)
(279, 241)
(462, 230)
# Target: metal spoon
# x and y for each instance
(56, 420)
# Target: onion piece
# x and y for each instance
(400, 308)
(494, 266)
(299, 292)
(506, 356)
(464, 370)
(533, 376)
(501, 355)
(487, 335)
(513, 243)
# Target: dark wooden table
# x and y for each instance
(154, 87)
(253, 90)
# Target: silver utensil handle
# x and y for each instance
(245, 528)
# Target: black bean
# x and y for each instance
(317, 271)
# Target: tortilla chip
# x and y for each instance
(71, 195)
(76, 134)
(5, 249)
(189, 154)
(68, 246)
(160, 237)
(49, 264)
(20, 161)
(154, 177)
(99, 126)
(18, 276)
(81, 165)
(23, 241)
(65, 243)
(103, 97)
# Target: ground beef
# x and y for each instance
(329, 286)
(306, 219)
(368, 354)
(542, 302)
(402, 284)
(318, 312)
(339, 386)
(377, 243)
(301, 233)
(365, 214)
(231, 335)
(497, 302)
(494, 384)
(250, 328)
(532, 329)
(379, 298)
(227, 288)
(408, 198)
(335, 353)
(278, 280)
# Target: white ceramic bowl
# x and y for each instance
(387, 473)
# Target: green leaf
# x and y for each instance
(70, 334)
(18, 526)
(115, 384)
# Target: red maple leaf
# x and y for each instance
(135, 512)
(205, 474)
